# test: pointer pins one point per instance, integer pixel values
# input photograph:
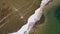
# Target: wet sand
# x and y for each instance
(10, 20)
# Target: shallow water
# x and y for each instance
(52, 22)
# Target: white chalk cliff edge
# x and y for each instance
(25, 29)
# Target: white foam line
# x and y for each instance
(25, 29)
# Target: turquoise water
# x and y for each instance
(53, 20)
(57, 13)
(52, 24)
